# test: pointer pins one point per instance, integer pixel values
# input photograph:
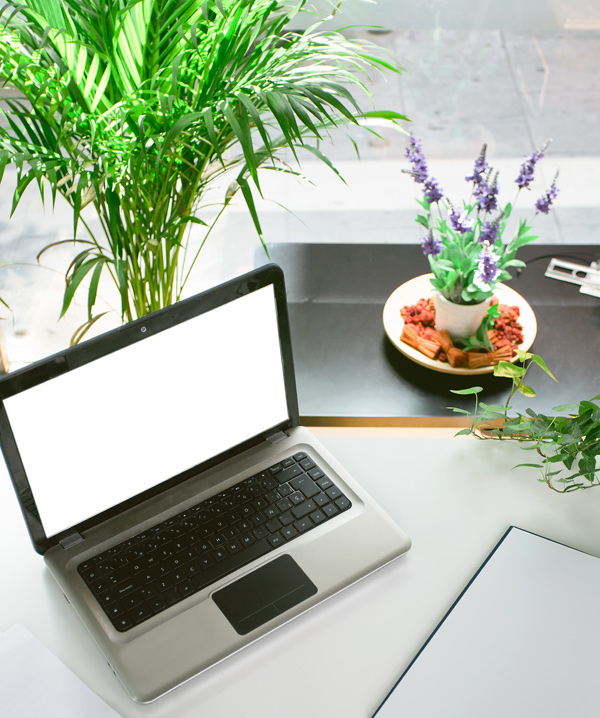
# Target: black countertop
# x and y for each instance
(347, 368)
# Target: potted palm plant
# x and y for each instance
(133, 109)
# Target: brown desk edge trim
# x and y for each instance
(412, 422)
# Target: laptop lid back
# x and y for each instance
(95, 429)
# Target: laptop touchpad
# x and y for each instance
(264, 594)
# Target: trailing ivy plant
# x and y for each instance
(135, 108)
(567, 443)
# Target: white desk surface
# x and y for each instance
(454, 497)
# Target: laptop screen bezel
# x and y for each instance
(116, 339)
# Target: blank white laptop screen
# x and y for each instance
(104, 432)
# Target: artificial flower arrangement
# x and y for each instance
(466, 251)
(469, 257)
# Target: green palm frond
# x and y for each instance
(136, 107)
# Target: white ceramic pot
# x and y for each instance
(459, 320)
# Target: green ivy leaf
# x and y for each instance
(522, 356)
(541, 363)
(587, 406)
(587, 465)
(526, 390)
(570, 408)
(497, 408)
(507, 369)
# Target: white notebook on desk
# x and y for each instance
(522, 640)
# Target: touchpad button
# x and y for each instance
(264, 594)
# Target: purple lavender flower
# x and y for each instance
(544, 202)
(525, 177)
(432, 191)
(481, 172)
(487, 270)
(417, 159)
(431, 245)
(480, 166)
(480, 187)
(458, 220)
(489, 233)
(488, 199)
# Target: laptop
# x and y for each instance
(164, 477)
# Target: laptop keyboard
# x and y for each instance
(161, 566)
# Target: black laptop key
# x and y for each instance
(273, 525)
(158, 568)
(141, 613)
(260, 532)
(106, 598)
(330, 510)
(259, 518)
(306, 485)
(333, 492)
(286, 518)
(303, 525)
(247, 510)
(114, 611)
(269, 484)
(284, 504)
(257, 489)
(233, 546)
(220, 554)
(296, 498)
(206, 561)
(247, 539)
(318, 517)
(171, 596)
(123, 623)
(324, 482)
(343, 503)
(289, 533)
(276, 540)
(186, 588)
(101, 585)
(304, 509)
(271, 512)
(157, 604)
(125, 588)
(321, 499)
(90, 574)
(284, 476)
(131, 600)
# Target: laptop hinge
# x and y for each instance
(277, 437)
(71, 540)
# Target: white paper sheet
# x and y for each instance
(34, 683)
